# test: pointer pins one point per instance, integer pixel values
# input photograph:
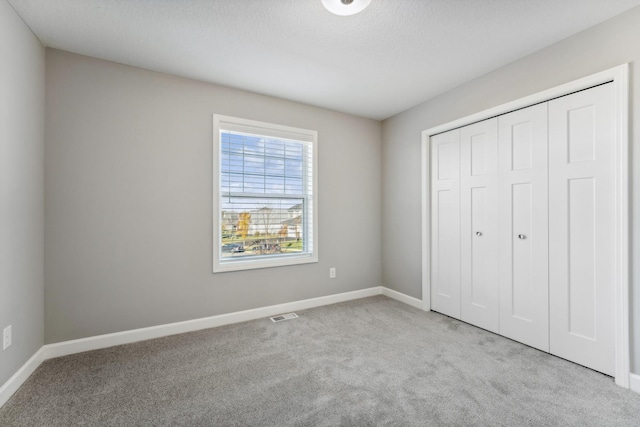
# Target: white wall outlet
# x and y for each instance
(332, 273)
(6, 337)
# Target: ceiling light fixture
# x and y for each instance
(345, 7)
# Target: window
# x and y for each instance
(264, 195)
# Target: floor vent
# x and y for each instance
(282, 317)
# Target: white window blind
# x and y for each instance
(265, 199)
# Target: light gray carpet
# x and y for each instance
(368, 362)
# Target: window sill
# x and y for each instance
(251, 264)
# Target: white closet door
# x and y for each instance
(479, 224)
(445, 223)
(523, 238)
(582, 227)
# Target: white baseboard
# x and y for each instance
(14, 383)
(634, 382)
(413, 302)
(65, 348)
(126, 337)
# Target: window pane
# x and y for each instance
(256, 164)
(263, 195)
(253, 227)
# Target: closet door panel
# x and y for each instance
(582, 230)
(522, 285)
(478, 224)
(523, 233)
(445, 223)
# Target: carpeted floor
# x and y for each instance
(368, 362)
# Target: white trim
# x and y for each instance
(17, 379)
(250, 263)
(404, 298)
(634, 382)
(620, 77)
(622, 335)
(426, 228)
(126, 337)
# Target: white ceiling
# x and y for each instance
(392, 56)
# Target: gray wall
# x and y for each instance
(606, 45)
(22, 94)
(128, 200)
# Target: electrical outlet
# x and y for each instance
(6, 337)
(332, 273)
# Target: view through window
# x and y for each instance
(265, 195)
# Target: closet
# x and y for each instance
(523, 225)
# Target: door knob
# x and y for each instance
(521, 236)
(478, 233)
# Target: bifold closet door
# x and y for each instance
(582, 227)
(524, 312)
(479, 224)
(445, 223)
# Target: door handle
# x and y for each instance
(521, 236)
(478, 233)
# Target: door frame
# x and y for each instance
(619, 77)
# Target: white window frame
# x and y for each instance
(310, 255)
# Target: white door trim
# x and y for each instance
(619, 76)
